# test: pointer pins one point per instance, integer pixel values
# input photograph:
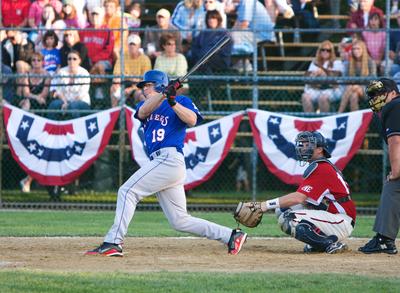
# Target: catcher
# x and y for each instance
(320, 212)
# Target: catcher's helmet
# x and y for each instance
(159, 78)
(377, 92)
(307, 142)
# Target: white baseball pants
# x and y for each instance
(164, 176)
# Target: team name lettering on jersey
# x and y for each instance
(157, 117)
(307, 188)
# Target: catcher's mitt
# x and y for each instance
(248, 214)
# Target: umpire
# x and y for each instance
(384, 99)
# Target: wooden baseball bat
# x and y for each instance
(218, 46)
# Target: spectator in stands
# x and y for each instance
(135, 63)
(7, 84)
(100, 45)
(206, 39)
(375, 40)
(69, 92)
(304, 12)
(152, 37)
(360, 64)
(80, 9)
(135, 11)
(52, 57)
(359, 18)
(170, 61)
(14, 13)
(72, 42)
(17, 51)
(246, 19)
(325, 64)
(215, 5)
(32, 92)
(50, 21)
(70, 15)
(394, 50)
(188, 17)
(274, 7)
(112, 19)
(36, 11)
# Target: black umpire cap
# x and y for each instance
(380, 86)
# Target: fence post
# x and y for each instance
(1, 132)
(123, 99)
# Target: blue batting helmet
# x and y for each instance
(159, 78)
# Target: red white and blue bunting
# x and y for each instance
(274, 135)
(206, 146)
(57, 152)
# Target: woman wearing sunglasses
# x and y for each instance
(321, 94)
(33, 90)
(71, 89)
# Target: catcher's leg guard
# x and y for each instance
(285, 221)
(308, 233)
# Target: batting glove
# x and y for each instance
(170, 91)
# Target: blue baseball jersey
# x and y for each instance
(163, 128)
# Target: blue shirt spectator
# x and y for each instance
(206, 39)
(52, 59)
(258, 19)
(189, 15)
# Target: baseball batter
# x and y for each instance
(320, 212)
(164, 117)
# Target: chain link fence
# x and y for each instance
(275, 82)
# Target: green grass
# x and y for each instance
(96, 223)
(202, 197)
(145, 223)
(22, 281)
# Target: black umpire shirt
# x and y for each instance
(390, 117)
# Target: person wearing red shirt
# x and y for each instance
(100, 43)
(14, 13)
(359, 18)
(320, 212)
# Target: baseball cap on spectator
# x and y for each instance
(97, 10)
(163, 13)
(134, 39)
(68, 2)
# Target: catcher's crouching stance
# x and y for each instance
(321, 212)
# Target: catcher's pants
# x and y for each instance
(331, 224)
(164, 176)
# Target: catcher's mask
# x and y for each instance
(377, 92)
(307, 142)
(159, 78)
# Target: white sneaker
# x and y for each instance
(25, 186)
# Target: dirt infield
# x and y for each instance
(66, 254)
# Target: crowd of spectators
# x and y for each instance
(55, 30)
(63, 50)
